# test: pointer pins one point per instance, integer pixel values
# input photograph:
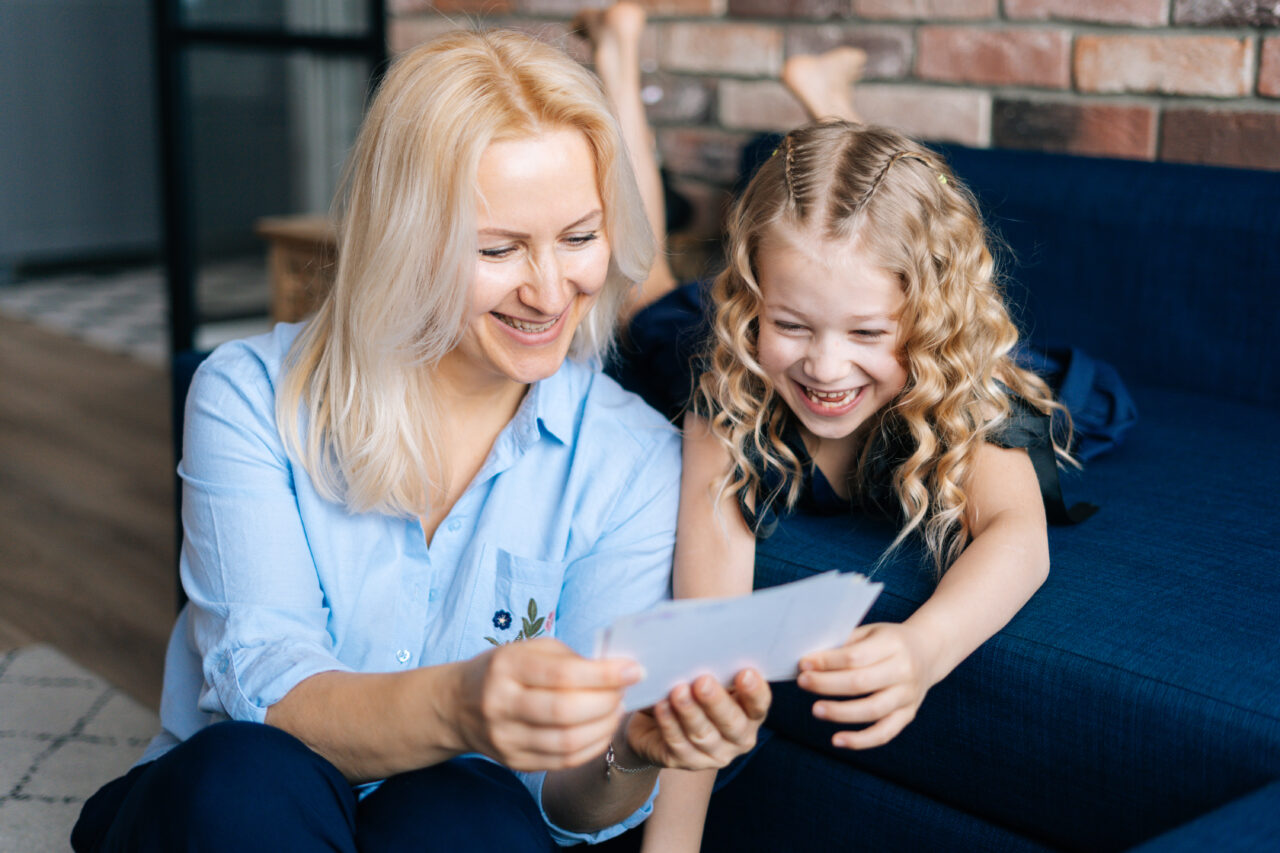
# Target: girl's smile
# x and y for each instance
(828, 331)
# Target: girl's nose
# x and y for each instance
(825, 362)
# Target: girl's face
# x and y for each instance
(828, 338)
(543, 257)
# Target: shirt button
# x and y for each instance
(403, 656)
(455, 525)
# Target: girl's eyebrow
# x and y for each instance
(520, 235)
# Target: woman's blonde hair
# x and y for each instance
(356, 406)
(838, 181)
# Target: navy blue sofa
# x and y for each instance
(1136, 699)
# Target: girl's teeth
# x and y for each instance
(830, 398)
(523, 326)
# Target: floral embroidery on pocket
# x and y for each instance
(532, 625)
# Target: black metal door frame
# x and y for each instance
(173, 38)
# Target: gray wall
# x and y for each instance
(79, 167)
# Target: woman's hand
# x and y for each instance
(702, 726)
(889, 667)
(537, 705)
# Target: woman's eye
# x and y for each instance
(497, 252)
(581, 239)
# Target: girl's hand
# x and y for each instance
(889, 667)
(537, 705)
(702, 726)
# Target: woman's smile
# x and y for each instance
(542, 258)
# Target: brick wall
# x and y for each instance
(1194, 81)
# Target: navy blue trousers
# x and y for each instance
(248, 787)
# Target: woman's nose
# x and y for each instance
(546, 284)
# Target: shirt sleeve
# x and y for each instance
(629, 570)
(257, 614)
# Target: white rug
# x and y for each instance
(127, 311)
(64, 732)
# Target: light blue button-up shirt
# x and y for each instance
(569, 524)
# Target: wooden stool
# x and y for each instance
(301, 261)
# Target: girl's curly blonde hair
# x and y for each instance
(849, 182)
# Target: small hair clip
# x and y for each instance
(942, 179)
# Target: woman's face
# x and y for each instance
(543, 257)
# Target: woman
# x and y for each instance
(407, 519)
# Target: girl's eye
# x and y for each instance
(581, 239)
(783, 326)
(869, 334)
(497, 252)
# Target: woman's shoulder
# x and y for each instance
(258, 358)
(613, 418)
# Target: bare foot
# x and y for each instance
(613, 33)
(823, 83)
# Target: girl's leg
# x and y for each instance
(824, 83)
(614, 34)
(232, 786)
(465, 804)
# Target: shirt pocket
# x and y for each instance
(516, 600)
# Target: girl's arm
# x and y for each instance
(891, 667)
(715, 556)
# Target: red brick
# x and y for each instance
(673, 98)
(1171, 65)
(569, 8)
(738, 49)
(815, 10)
(758, 105)
(1139, 13)
(1249, 140)
(1026, 57)
(711, 155)
(555, 33)
(1227, 13)
(888, 48)
(684, 7)
(404, 33)
(925, 10)
(1269, 71)
(944, 114)
(1099, 130)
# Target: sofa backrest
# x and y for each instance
(1170, 272)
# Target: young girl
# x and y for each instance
(861, 357)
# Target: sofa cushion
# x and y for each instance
(1141, 685)
(1165, 270)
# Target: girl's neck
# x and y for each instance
(835, 457)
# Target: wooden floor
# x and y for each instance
(86, 506)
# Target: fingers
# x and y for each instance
(555, 747)
(865, 646)
(753, 694)
(876, 735)
(550, 664)
(856, 682)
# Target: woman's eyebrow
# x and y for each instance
(577, 223)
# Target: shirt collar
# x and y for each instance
(548, 407)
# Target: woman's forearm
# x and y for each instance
(587, 798)
(374, 725)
